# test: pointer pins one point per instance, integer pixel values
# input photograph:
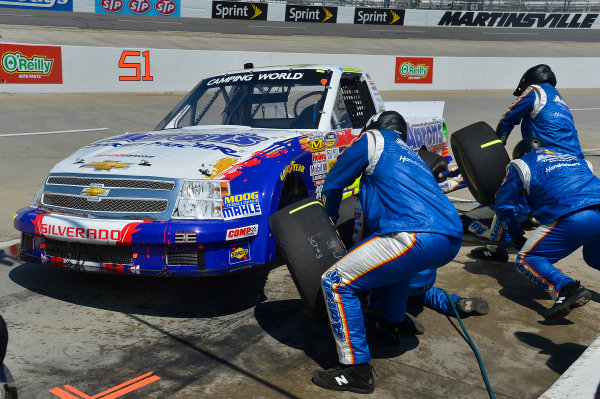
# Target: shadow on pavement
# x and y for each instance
(561, 355)
(288, 323)
(179, 297)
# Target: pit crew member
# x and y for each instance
(564, 195)
(542, 113)
(410, 226)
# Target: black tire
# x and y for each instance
(310, 244)
(437, 163)
(482, 160)
(3, 339)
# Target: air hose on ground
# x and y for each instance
(472, 345)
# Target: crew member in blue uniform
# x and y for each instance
(542, 113)
(564, 195)
(410, 226)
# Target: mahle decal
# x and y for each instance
(18, 63)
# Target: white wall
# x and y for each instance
(95, 69)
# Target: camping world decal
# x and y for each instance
(518, 19)
(414, 70)
(30, 64)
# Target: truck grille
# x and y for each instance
(121, 255)
(121, 205)
(112, 183)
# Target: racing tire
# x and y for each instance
(482, 160)
(3, 339)
(310, 244)
(437, 163)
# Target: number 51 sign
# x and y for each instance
(139, 62)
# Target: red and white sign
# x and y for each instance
(414, 70)
(241, 232)
(111, 232)
(112, 5)
(165, 7)
(319, 157)
(139, 6)
(30, 64)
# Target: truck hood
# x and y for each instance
(194, 152)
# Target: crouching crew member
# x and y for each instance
(410, 226)
(564, 195)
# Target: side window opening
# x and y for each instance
(357, 100)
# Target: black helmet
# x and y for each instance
(526, 145)
(533, 76)
(390, 120)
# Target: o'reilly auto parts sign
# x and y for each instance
(517, 19)
(296, 13)
(239, 10)
(378, 16)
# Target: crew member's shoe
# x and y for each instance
(571, 296)
(471, 306)
(356, 378)
(392, 332)
(485, 254)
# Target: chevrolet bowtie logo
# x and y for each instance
(94, 192)
(106, 165)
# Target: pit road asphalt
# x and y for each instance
(246, 335)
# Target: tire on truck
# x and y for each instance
(3, 339)
(310, 244)
(482, 160)
(437, 163)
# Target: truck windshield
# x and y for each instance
(279, 99)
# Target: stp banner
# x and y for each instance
(30, 64)
(169, 8)
(414, 70)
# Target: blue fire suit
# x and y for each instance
(410, 226)
(424, 293)
(542, 113)
(564, 195)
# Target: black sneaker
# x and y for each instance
(485, 254)
(472, 306)
(570, 297)
(392, 333)
(356, 378)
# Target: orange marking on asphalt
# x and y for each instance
(63, 394)
(112, 393)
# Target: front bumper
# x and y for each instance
(160, 248)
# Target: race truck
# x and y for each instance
(194, 196)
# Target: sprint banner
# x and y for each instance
(239, 10)
(296, 13)
(378, 16)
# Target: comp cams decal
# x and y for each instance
(241, 232)
(241, 205)
(518, 19)
(30, 64)
(239, 10)
(378, 16)
(296, 13)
